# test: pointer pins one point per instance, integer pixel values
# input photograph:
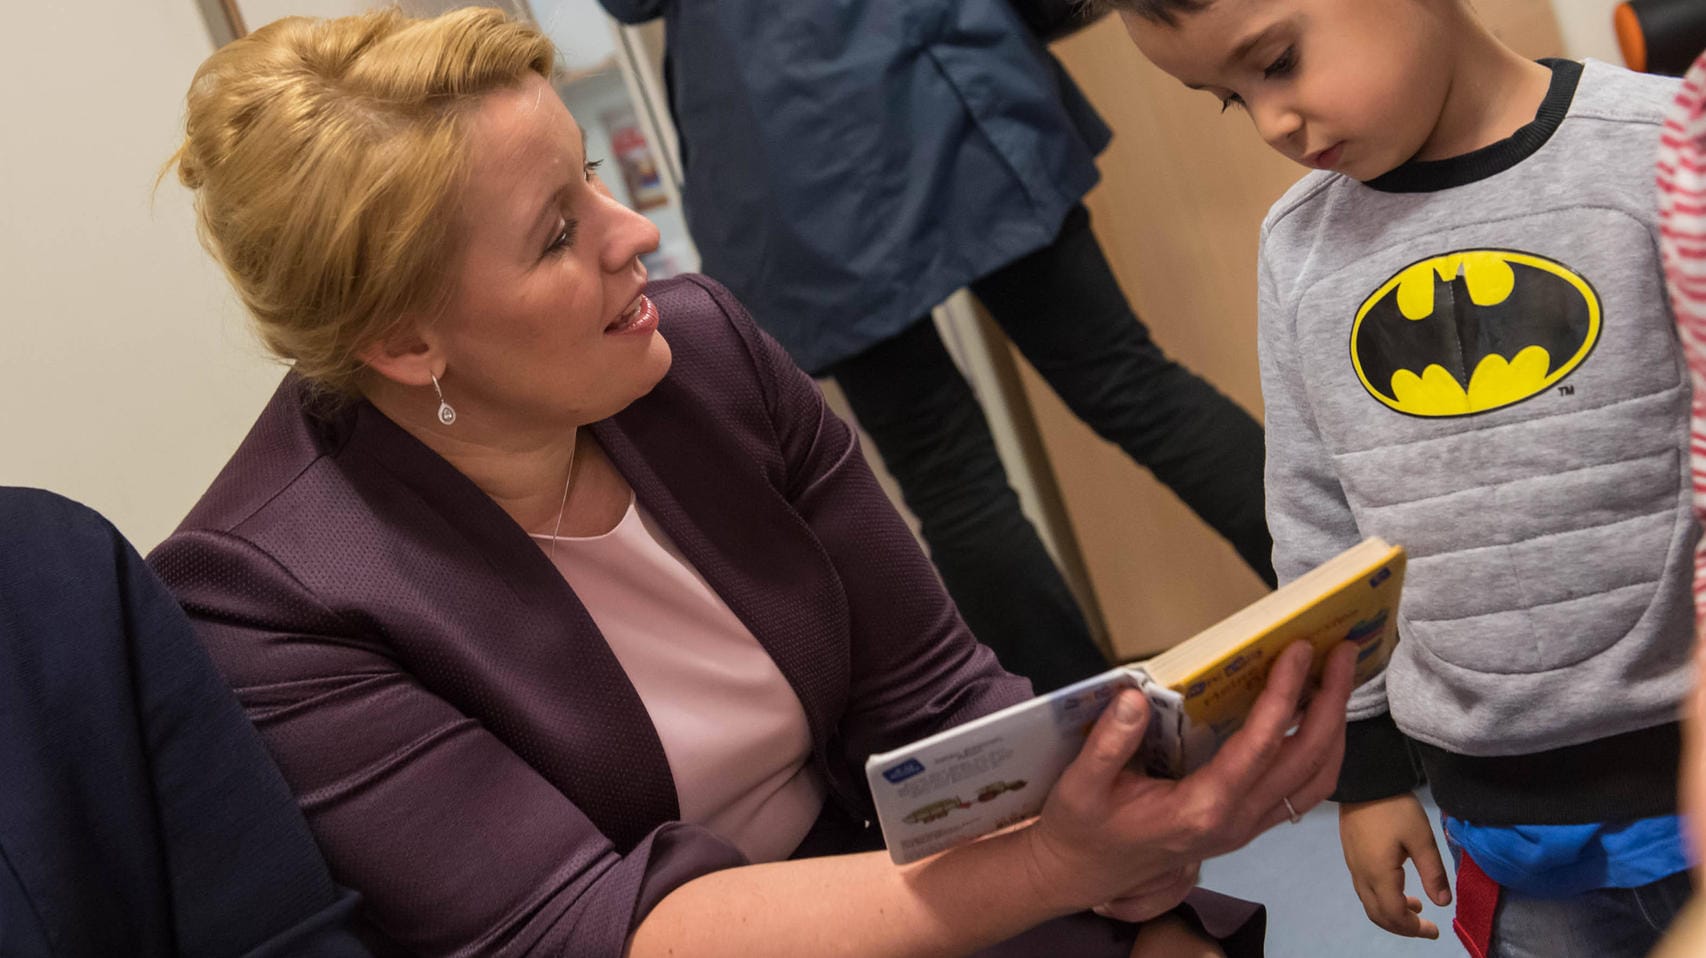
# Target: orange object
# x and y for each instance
(1631, 39)
(1660, 36)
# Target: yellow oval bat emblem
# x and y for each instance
(1472, 331)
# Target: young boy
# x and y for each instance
(1465, 348)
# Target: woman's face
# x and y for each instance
(546, 325)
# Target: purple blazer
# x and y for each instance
(467, 750)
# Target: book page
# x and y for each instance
(987, 774)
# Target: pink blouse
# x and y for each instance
(732, 728)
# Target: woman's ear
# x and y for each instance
(406, 355)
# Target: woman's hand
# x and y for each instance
(1377, 837)
(1108, 834)
(1153, 898)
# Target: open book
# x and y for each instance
(995, 771)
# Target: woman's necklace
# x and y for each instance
(558, 528)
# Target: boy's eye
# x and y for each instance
(564, 237)
(1232, 101)
(591, 168)
(1285, 63)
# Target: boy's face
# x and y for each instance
(1356, 86)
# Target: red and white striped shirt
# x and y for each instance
(1682, 242)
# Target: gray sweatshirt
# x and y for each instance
(1474, 358)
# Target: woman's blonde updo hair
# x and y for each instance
(326, 157)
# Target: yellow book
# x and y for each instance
(995, 771)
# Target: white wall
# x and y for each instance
(1586, 25)
(127, 375)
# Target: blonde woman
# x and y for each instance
(567, 609)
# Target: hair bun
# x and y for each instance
(190, 172)
(325, 156)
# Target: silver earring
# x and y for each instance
(446, 414)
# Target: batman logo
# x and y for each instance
(1471, 331)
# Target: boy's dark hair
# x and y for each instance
(1165, 12)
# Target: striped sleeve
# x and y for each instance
(1682, 240)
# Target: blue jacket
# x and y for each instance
(139, 815)
(850, 163)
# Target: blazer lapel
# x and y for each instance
(620, 779)
(753, 549)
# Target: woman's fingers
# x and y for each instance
(1253, 749)
(1308, 765)
(1113, 740)
(1241, 792)
(1075, 845)
(1323, 719)
(1323, 782)
(1261, 768)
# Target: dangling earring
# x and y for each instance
(446, 414)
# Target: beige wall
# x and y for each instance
(1586, 27)
(126, 376)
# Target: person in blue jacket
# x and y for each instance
(139, 813)
(848, 165)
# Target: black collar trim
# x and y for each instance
(1427, 176)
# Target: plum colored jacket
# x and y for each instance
(467, 749)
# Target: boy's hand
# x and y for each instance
(1377, 837)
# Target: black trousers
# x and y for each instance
(1067, 315)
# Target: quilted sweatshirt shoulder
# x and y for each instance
(1295, 225)
(1297, 203)
(1614, 94)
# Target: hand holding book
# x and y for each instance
(994, 771)
(1107, 830)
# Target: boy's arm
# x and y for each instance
(1311, 522)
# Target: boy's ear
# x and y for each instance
(406, 355)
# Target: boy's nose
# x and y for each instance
(1280, 126)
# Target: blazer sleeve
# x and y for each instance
(458, 846)
(915, 668)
